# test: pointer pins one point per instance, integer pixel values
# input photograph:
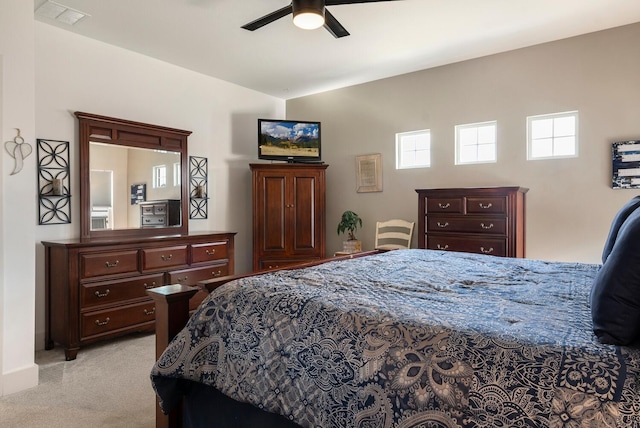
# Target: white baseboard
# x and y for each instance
(19, 380)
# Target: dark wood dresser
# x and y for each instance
(488, 220)
(97, 290)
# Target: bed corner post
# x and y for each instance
(172, 313)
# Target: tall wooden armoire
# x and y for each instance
(289, 223)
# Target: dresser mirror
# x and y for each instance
(133, 178)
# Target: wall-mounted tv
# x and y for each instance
(289, 140)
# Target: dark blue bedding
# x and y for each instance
(410, 338)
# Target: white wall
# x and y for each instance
(17, 200)
(74, 73)
(570, 203)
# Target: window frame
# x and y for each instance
(399, 151)
(158, 175)
(176, 174)
(475, 125)
(553, 116)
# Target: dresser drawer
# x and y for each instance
(192, 276)
(486, 205)
(160, 258)
(153, 220)
(150, 209)
(146, 209)
(201, 253)
(444, 205)
(98, 264)
(492, 246)
(100, 322)
(102, 293)
(485, 225)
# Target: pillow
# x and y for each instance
(615, 296)
(620, 217)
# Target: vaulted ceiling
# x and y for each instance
(387, 38)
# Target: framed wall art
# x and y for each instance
(369, 173)
(626, 164)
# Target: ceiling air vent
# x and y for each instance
(61, 13)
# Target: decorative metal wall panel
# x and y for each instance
(198, 187)
(626, 164)
(54, 182)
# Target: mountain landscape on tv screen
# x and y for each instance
(290, 141)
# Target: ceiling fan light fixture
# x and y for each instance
(308, 14)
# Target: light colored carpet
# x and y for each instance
(107, 385)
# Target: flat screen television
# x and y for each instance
(289, 140)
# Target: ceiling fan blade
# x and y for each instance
(338, 2)
(267, 19)
(333, 26)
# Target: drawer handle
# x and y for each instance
(151, 312)
(486, 251)
(148, 286)
(210, 253)
(166, 258)
(484, 226)
(184, 278)
(105, 294)
(101, 323)
(216, 274)
(110, 265)
(443, 225)
(445, 247)
(444, 206)
(485, 206)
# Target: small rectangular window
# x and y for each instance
(176, 174)
(476, 143)
(552, 135)
(159, 176)
(413, 149)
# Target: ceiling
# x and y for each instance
(387, 38)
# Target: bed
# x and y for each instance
(406, 338)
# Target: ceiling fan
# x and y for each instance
(309, 14)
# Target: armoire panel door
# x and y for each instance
(304, 230)
(273, 214)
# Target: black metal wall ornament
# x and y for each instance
(198, 187)
(54, 182)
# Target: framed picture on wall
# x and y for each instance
(369, 173)
(138, 193)
(626, 164)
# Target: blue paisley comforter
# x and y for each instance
(411, 338)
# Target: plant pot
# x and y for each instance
(352, 246)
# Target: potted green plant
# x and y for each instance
(349, 223)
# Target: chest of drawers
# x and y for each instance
(488, 220)
(98, 290)
(160, 213)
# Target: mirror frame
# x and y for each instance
(108, 130)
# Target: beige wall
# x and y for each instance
(18, 199)
(75, 73)
(570, 202)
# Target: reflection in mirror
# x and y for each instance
(152, 159)
(129, 182)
